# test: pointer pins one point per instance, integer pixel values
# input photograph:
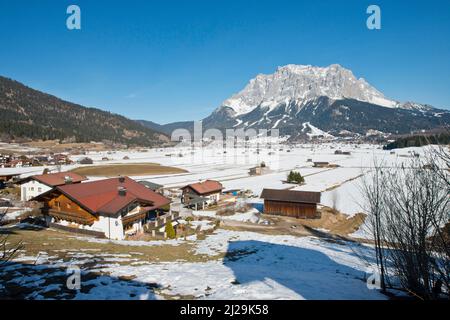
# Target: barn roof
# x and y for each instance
(207, 186)
(58, 178)
(291, 195)
(151, 185)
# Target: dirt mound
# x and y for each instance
(335, 221)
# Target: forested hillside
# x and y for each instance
(28, 113)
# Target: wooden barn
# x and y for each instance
(298, 204)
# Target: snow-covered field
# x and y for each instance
(340, 187)
(264, 267)
(241, 265)
(256, 266)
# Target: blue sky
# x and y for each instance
(178, 60)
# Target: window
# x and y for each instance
(132, 207)
(39, 189)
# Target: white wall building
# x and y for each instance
(34, 186)
(111, 208)
(32, 189)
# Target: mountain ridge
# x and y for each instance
(31, 114)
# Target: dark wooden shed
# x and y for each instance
(298, 204)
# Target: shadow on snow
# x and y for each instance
(309, 273)
(45, 281)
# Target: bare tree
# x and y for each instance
(7, 250)
(334, 200)
(408, 209)
(373, 189)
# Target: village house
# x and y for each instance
(340, 152)
(158, 188)
(5, 159)
(85, 160)
(9, 177)
(111, 208)
(201, 194)
(321, 164)
(60, 159)
(259, 170)
(15, 163)
(291, 203)
(35, 185)
(5, 203)
(40, 160)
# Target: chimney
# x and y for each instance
(121, 179)
(67, 180)
(122, 191)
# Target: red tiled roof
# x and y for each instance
(103, 195)
(58, 179)
(207, 186)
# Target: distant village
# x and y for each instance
(20, 161)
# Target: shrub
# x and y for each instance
(170, 231)
(228, 211)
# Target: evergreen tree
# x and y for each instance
(295, 177)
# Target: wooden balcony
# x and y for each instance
(161, 221)
(134, 217)
(77, 217)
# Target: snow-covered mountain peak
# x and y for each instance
(302, 83)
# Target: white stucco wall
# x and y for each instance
(111, 227)
(32, 189)
(215, 197)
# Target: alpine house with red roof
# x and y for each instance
(201, 193)
(33, 186)
(111, 208)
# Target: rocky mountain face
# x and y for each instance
(299, 84)
(331, 99)
(30, 114)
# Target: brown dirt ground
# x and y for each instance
(337, 225)
(53, 241)
(132, 169)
